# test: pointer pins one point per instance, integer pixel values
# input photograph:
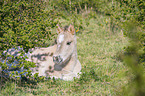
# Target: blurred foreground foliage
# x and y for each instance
(134, 57)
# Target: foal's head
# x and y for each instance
(65, 44)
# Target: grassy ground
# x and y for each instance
(102, 73)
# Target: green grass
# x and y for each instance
(102, 73)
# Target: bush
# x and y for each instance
(75, 5)
(26, 24)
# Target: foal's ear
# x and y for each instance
(71, 29)
(59, 29)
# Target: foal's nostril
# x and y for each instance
(57, 58)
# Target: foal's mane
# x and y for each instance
(66, 28)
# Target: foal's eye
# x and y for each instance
(68, 43)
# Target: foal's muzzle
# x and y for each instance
(57, 59)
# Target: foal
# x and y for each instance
(60, 60)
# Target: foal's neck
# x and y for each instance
(75, 48)
(73, 61)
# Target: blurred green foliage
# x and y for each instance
(134, 58)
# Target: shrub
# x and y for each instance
(26, 24)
